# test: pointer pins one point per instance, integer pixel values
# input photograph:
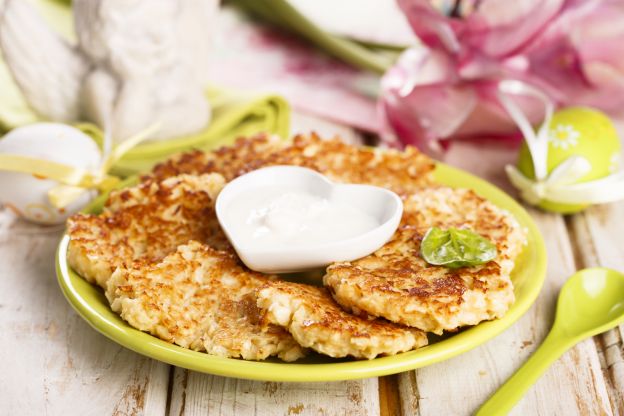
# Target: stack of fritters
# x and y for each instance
(203, 299)
(315, 321)
(145, 222)
(168, 269)
(397, 284)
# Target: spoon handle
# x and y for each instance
(512, 391)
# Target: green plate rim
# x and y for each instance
(533, 259)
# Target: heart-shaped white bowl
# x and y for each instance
(383, 205)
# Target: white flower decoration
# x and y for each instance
(563, 136)
(614, 163)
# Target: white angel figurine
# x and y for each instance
(135, 63)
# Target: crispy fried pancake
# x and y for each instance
(145, 222)
(402, 172)
(462, 208)
(397, 284)
(316, 321)
(202, 299)
(245, 155)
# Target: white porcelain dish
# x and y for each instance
(385, 206)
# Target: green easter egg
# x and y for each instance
(577, 131)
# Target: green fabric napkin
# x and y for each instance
(234, 114)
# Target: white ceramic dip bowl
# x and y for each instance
(383, 206)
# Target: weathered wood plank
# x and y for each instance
(574, 385)
(389, 395)
(52, 361)
(202, 394)
(599, 240)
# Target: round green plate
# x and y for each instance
(528, 277)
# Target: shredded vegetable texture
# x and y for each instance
(456, 248)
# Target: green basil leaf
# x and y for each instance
(456, 248)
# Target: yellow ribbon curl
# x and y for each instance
(73, 181)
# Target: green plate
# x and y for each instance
(528, 277)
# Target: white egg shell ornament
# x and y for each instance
(26, 194)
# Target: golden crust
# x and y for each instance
(316, 321)
(202, 299)
(402, 172)
(397, 284)
(243, 156)
(145, 222)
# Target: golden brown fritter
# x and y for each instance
(397, 284)
(245, 155)
(145, 222)
(316, 321)
(402, 172)
(202, 299)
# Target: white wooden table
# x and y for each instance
(53, 363)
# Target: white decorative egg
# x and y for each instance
(26, 194)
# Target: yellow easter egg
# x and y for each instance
(582, 132)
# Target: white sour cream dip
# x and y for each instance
(286, 216)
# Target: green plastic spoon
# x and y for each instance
(590, 302)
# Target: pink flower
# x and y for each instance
(446, 87)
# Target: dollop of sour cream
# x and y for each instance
(289, 216)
